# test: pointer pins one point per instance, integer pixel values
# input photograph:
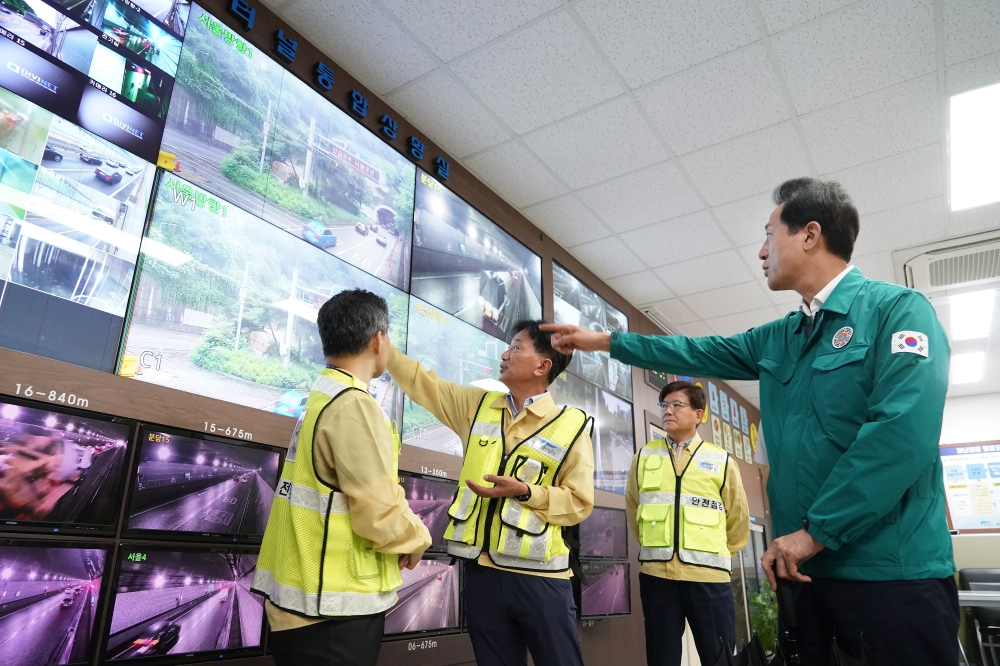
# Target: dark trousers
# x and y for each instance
(708, 608)
(907, 622)
(339, 641)
(509, 614)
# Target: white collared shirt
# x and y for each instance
(810, 309)
(514, 410)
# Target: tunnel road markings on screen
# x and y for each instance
(51, 395)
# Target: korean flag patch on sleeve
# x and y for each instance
(909, 342)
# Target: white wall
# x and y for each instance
(974, 418)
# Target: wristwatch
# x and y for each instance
(526, 496)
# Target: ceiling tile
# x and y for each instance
(971, 29)
(695, 329)
(783, 14)
(748, 165)
(566, 220)
(974, 220)
(721, 99)
(674, 311)
(671, 241)
(442, 108)
(749, 254)
(607, 257)
(742, 321)
(857, 51)
(709, 272)
(515, 174)
(362, 40)
(901, 227)
(543, 73)
(744, 219)
(649, 39)
(600, 143)
(972, 74)
(785, 300)
(450, 28)
(877, 266)
(640, 288)
(883, 123)
(893, 181)
(727, 300)
(642, 197)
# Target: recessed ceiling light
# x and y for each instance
(972, 314)
(975, 148)
(967, 368)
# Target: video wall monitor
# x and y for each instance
(460, 353)
(614, 434)
(428, 600)
(173, 605)
(972, 486)
(267, 139)
(226, 305)
(577, 304)
(61, 470)
(604, 534)
(72, 209)
(607, 591)
(429, 497)
(189, 484)
(50, 595)
(469, 267)
(106, 65)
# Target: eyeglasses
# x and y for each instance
(675, 405)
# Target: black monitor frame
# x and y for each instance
(624, 524)
(578, 589)
(458, 628)
(441, 547)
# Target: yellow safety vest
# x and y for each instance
(311, 561)
(685, 508)
(518, 538)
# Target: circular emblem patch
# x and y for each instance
(842, 337)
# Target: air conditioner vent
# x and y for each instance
(965, 268)
(950, 265)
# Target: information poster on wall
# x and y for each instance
(972, 485)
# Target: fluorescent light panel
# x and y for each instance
(972, 314)
(967, 368)
(975, 148)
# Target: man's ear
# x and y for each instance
(813, 235)
(542, 370)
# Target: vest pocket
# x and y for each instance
(701, 530)
(366, 560)
(517, 516)
(656, 525)
(652, 472)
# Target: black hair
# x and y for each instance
(542, 341)
(826, 202)
(695, 394)
(348, 322)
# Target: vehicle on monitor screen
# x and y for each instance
(160, 643)
(361, 228)
(292, 403)
(381, 239)
(373, 227)
(319, 234)
(52, 154)
(492, 296)
(90, 159)
(67, 600)
(111, 177)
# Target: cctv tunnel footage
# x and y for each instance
(459, 353)
(430, 499)
(468, 266)
(175, 602)
(226, 306)
(48, 603)
(185, 484)
(606, 591)
(604, 534)
(253, 133)
(59, 471)
(428, 599)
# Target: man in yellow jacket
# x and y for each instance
(340, 528)
(528, 472)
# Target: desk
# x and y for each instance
(979, 598)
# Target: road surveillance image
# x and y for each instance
(604, 534)
(176, 602)
(606, 591)
(226, 306)
(48, 602)
(430, 498)
(190, 484)
(466, 265)
(428, 599)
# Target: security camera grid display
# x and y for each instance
(257, 135)
(607, 591)
(179, 602)
(238, 325)
(613, 437)
(430, 498)
(59, 471)
(466, 265)
(579, 305)
(428, 599)
(460, 353)
(204, 486)
(604, 534)
(48, 602)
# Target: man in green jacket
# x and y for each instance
(852, 390)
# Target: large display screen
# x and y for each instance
(72, 208)
(460, 353)
(60, 471)
(429, 498)
(607, 590)
(174, 602)
(226, 305)
(199, 485)
(466, 265)
(49, 593)
(577, 304)
(613, 437)
(259, 136)
(428, 599)
(106, 65)
(972, 486)
(604, 534)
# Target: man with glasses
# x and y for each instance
(687, 508)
